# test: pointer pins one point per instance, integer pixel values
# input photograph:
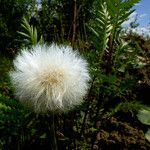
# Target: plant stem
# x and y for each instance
(87, 109)
(109, 65)
(53, 134)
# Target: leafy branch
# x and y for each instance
(101, 28)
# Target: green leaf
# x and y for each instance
(144, 116)
(24, 34)
(147, 135)
(95, 33)
(92, 129)
(4, 107)
(43, 136)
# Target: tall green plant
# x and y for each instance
(113, 55)
(101, 27)
(106, 29)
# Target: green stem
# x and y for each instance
(87, 108)
(53, 133)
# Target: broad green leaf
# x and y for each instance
(147, 135)
(144, 116)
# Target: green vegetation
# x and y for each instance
(117, 104)
(144, 116)
(31, 35)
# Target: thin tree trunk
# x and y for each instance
(74, 23)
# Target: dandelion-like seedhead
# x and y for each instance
(50, 78)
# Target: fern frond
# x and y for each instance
(101, 27)
(127, 106)
(30, 33)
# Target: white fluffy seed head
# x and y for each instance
(50, 78)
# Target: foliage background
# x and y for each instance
(119, 65)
